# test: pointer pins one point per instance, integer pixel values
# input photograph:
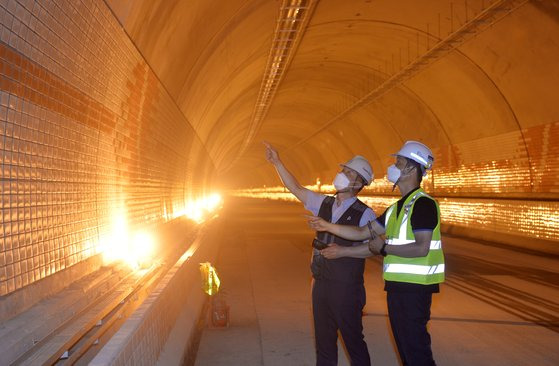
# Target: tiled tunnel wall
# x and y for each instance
(88, 135)
(505, 185)
(519, 164)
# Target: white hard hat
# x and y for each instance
(419, 153)
(362, 167)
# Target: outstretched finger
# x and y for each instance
(313, 218)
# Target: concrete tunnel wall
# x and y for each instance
(496, 89)
(130, 107)
(90, 137)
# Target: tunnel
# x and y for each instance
(138, 203)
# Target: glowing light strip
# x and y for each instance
(536, 219)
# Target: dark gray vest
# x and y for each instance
(349, 270)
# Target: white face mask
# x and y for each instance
(341, 182)
(393, 173)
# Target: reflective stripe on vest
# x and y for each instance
(413, 268)
(435, 244)
(422, 270)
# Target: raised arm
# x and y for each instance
(285, 175)
(354, 233)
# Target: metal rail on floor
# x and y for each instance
(74, 338)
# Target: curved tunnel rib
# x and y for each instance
(444, 46)
(120, 119)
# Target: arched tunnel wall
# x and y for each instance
(90, 139)
(119, 117)
(484, 108)
(115, 114)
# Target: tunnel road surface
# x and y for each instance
(498, 306)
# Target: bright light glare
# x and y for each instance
(113, 243)
(199, 209)
(134, 249)
(137, 249)
(143, 249)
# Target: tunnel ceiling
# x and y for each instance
(361, 77)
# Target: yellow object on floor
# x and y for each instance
(209, 278)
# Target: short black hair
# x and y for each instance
(418, 169)
(363, 181)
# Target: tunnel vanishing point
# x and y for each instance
(125, 125)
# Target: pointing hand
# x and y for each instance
(271, 154)
(317, 223)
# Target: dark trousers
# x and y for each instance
(339, 306)
(409, 313)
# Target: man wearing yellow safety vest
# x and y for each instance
(413, 256)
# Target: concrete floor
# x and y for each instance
(498, 306)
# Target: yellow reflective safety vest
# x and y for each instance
(420, 270)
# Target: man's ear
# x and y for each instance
(362, 184)
(408, 168)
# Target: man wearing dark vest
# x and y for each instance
(413, 256)
(338, 294)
